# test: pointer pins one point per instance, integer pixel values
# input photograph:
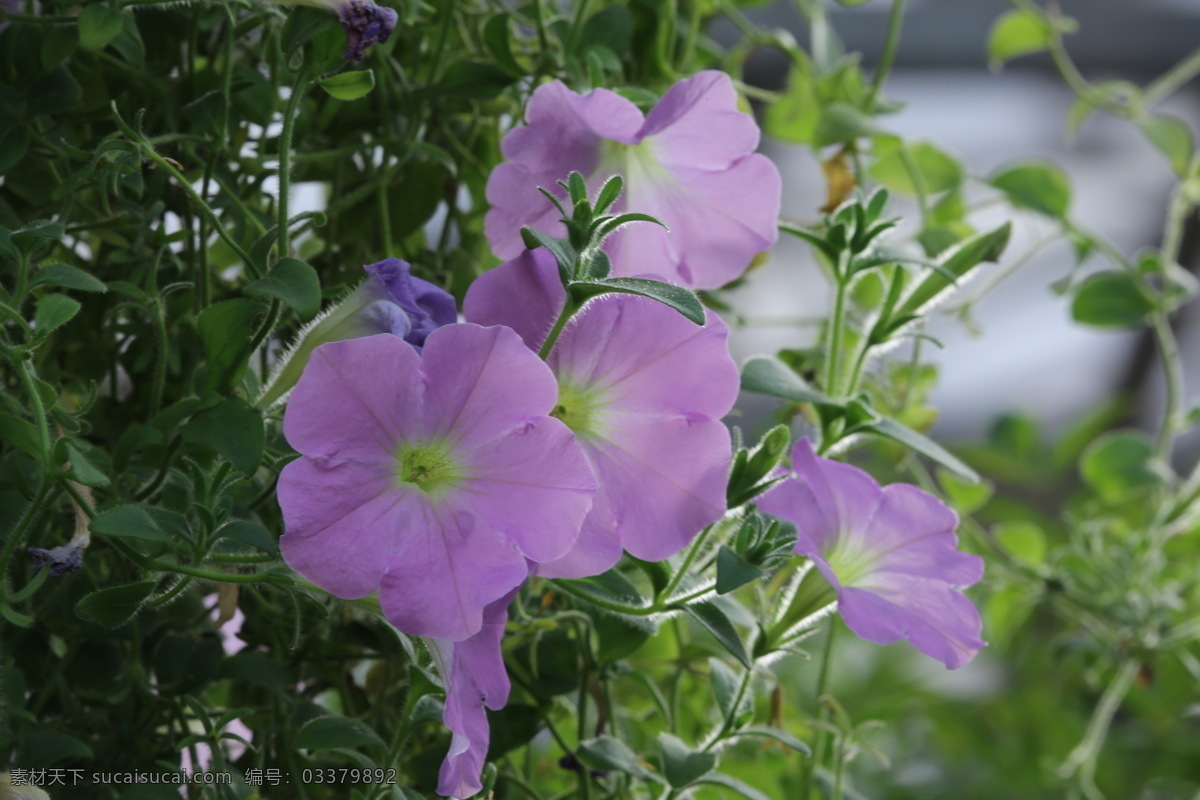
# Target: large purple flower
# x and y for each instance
(431, 477)
(644, 390)
(890, 552)
(690, 162)
(474, 675)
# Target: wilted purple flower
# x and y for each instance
(390, 300)
(690, 162)
(432, 477)
(890, 552)
(644, 390)
(64, 559)
(474, 674)
(365, 23)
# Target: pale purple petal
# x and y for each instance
(482, 383)
(697, 124)
(690, 163)
(342, 521)
(648, 358)
(445, 569)
(534, 485)
(565, 132)
(343, 406)
(938, 620)
(475, 678)
(718, 222)
(524, 294)
(891, 553)
(664, 480)
(598, 548)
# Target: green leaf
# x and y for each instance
(98, 25)
(251, 533)
(225, 329)
(770, 376)
(938, 170)
(890, 429)
(732, 784)
(841, 123)
(681, 764)
(1117, 464)
(295, 283)
(302, 25)
(1111, 300)
(1041, 187)
(734, 571)
(140, 522)
(82, 470)
(47, 747)
(676, 297)
(606, 752)
(725, 686)
(21, 433)
(497, 39)
(966, 497)
(952, 265)
(1018, 33)
(1172, 137)
(68, 277)
(473, 80)
(38, 232)
(611, 28)
(54, 311)
(717, 623)
(114, 606)
(234, 429)
(349, 85)
(1023, 540)
(15, 617)
(323, 733)
(783, 737)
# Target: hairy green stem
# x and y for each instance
(891, 43)
(1082, 760)
(568, 310)
(822, 714)
(285, 159)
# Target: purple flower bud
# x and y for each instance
(365, 24)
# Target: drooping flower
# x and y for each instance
(644, 390)
(475, 678)
(690, 162)
(891, 554)
(390, 300)
(365, 23)
(430, 478)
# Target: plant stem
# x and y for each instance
(18, 532)
(833, 342)
(1082, 760)
(285, 159)
(890, 44)
(822, 714)
(1166, 84)
(568, 309)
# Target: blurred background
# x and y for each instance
(1025, 353)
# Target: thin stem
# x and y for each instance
(1082, 760)
(568, 309)
(833, 348)
(18, 532)
(39, 410)
(688, 558)
(285, 159)
(1166, 85)
(891, 43)
(822, 713)
(730, 719)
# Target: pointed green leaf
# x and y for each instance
(682, 765)
(890, 429)
(1111, 300)
(768, 375)
(1018, 33)
(21, 433)
(606, 752)
(682, 300)
(1038, 186)
(251, 533)
(323, 733)
(717, 623)
(952, 266)
(140, 522)
(783, 737)
(734, 571)
(1172, 137)
(732, 784)
(295, 283)
(54, 311)
(225, 329)
(82, 470)
(67, 277)
(114, 606)
(234, 429)
(98, 25)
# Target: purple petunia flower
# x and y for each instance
(690, 162)
(644, 390)
(365, 23)
(474, 675)
(390, 300)
(890, 552)
(430, 477)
